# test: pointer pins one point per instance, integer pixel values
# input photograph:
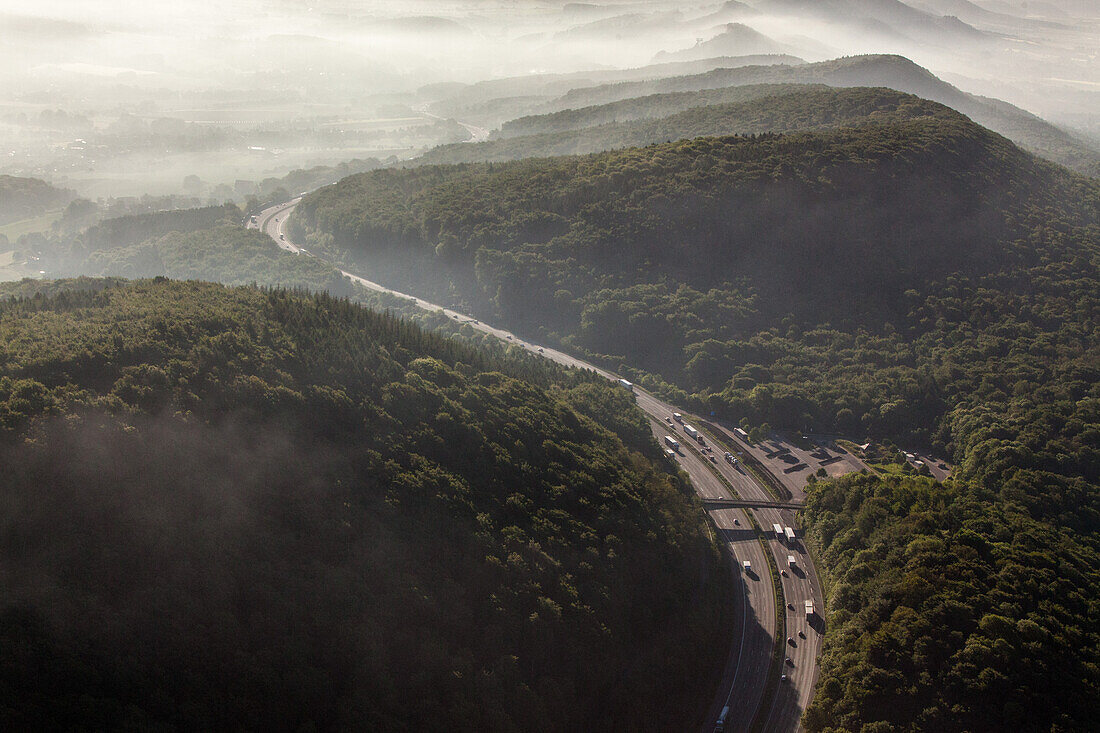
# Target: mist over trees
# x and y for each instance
(279, 510)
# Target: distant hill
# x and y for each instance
(734, 40)
(497, 100)
(625, 25)
(892, 15)
(896, 72)
(761, 109)
(227, 505)
(22, 198)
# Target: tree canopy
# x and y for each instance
(283, 511)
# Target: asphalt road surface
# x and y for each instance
(749, 665)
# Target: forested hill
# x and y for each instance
(766, 108)
(924, 281)
(21, 198)
(835, 225)
(895, 72)
(284, 512)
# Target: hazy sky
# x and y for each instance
(257, 65)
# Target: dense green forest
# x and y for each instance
(812, 280)
(766, 108)
(282, 511)
(22, 198)
(921, 281)
(895, 72)
(966, 606)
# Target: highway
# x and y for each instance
(799, 585)
(749, 666)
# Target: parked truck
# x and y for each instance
(778, 529)
(789, 533)
(672, 443)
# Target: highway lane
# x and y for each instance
(798, 586)
(745, 675)
(749, 665)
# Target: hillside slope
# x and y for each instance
(22, 198)
(759, 109)
(679, 258)
(922, 281)
(284, 512)
(895, 72)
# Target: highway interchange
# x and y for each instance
(749, 668)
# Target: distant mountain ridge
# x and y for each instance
(895, 72)
(754, 109)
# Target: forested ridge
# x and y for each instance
(654, 106)
(870, 70)
(809, 279)
(759, 109)
(949, 299)
(21, 198)
(282, 511)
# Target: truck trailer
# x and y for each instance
(626, 385)
(791, 562)
(809, 609)
(691, 431)
(672, 443)
(778, 529)
(789, 534)
(720, 724)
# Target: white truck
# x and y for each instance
(720, 724)
(677, 417)
(747, 566)
(789, 534)
(691, 431)
(672, 443)
(809, 609)
(778, 529)
(670, 454)
(791, 562)
(626, 385)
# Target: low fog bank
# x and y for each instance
(136, 98)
